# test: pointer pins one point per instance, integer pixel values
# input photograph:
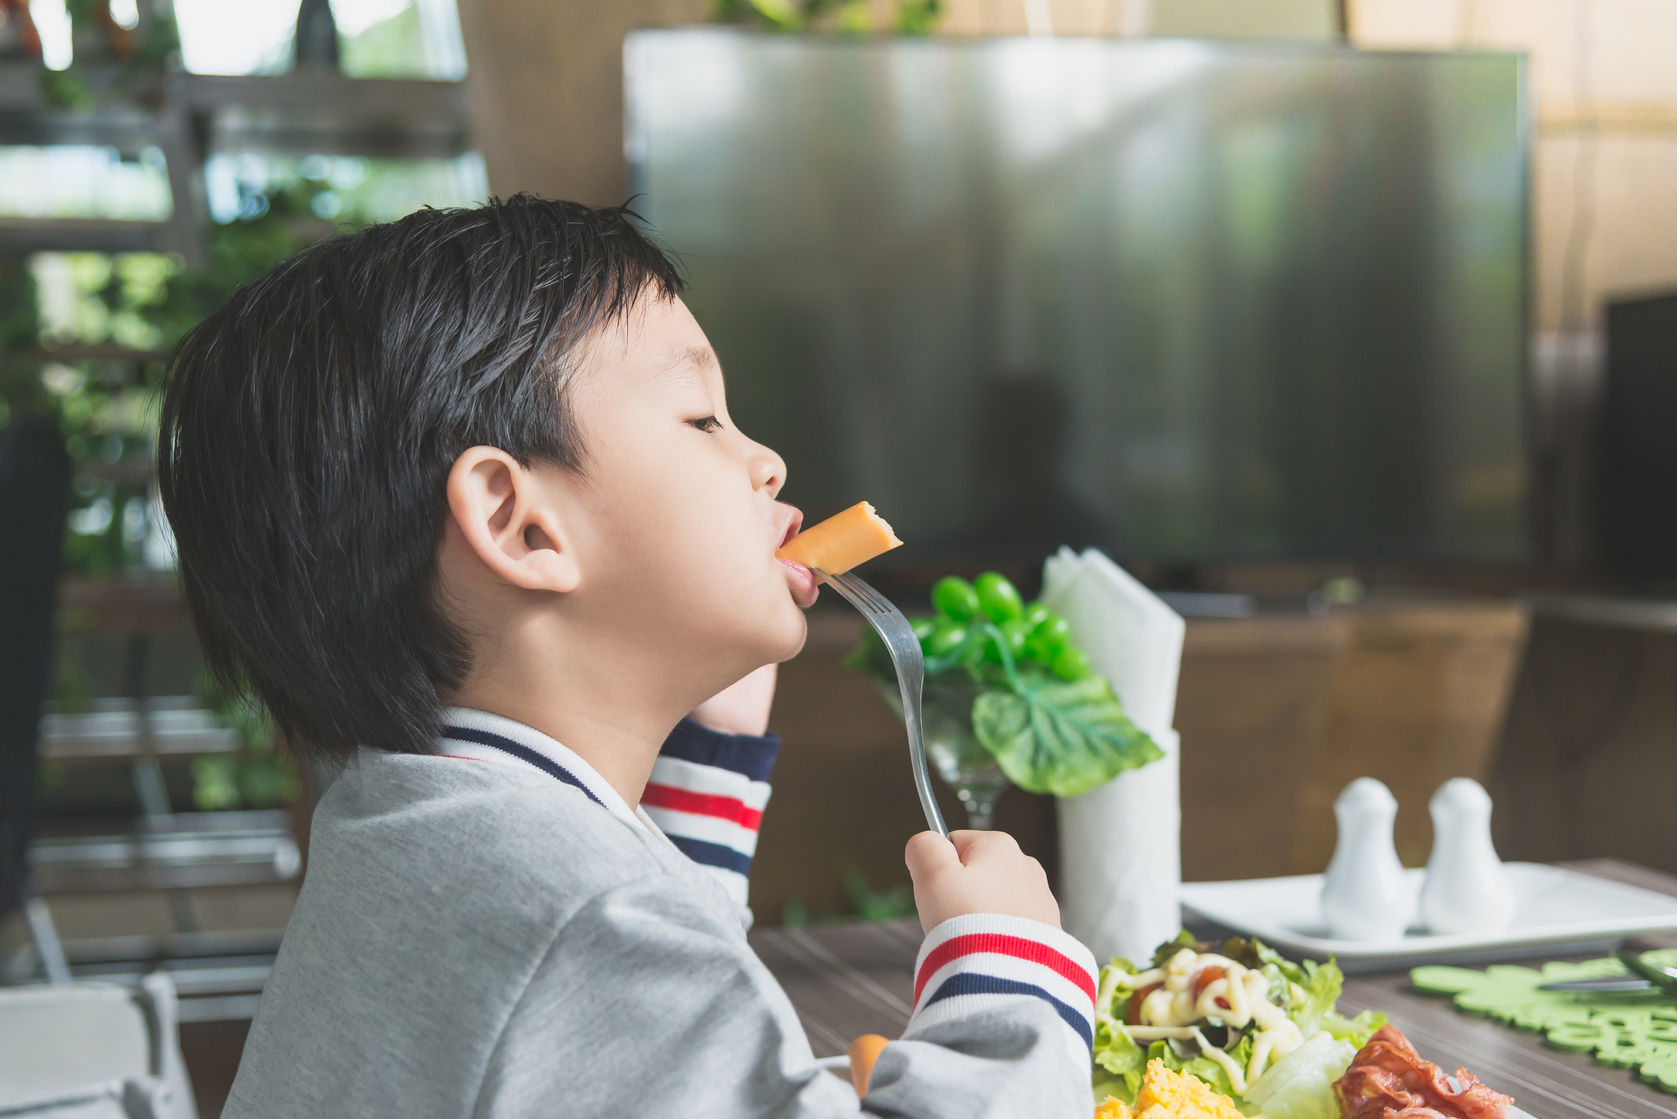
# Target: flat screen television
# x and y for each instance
(1186, 301)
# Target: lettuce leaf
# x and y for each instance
(1356, 1030)
(1122, 1061)
(1169, 948)
(1300, 1085)
(1050, 736)
(1118, 1087)
(1322, 985)
(1201, 1066)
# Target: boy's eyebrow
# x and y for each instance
(685, 361)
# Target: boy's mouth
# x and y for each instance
(805, 589)
(794, 522)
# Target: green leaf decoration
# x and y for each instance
(1634, 1030)
(919, 17)
(1060, 738)
(781, 13)
(1003, 681)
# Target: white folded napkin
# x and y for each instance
(1121, 843)
(1131, 636)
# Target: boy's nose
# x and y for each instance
(768, 470)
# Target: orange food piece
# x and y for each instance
(842, 541)
(864, 1051)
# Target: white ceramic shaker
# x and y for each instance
(1467, 890)
(1364, 895)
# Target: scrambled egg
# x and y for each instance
(1171, 1095)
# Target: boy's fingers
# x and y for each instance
(969, 844)
(927, 852)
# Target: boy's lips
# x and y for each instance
(794, 522)
(805, 590)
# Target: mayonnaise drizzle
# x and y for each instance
(1171, 1010)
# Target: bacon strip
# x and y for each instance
(1389, 1080)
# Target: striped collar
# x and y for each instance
(483, 736)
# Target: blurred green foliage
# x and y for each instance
(853, 17)
(125, 314)
(144, 53)
(866, 903)
(99, 362)
(257, 777)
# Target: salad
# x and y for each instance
(1035, 703)
(1252, 1025)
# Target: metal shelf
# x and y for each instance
(112, 731)
(192, 116)
(84, 235)
(137, 602)
(239, 849)
(188, 117)
(304, 112)
(218, 976)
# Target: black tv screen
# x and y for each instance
(1184, 301)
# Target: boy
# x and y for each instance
(459, 499)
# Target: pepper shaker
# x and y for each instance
(1364, 895)
(1467, 890)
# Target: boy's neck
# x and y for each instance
(620, 748)
(598, 709)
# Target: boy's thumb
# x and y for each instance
(927, 852)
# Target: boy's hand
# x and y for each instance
(977, 872)
(742, 707)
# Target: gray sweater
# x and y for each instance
(491, 931)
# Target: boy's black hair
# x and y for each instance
(309, 425)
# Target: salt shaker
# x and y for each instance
(1467, 890)
(1364, 895)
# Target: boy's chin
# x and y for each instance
(789, 639)
(779, 636)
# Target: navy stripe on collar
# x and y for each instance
(523, 753)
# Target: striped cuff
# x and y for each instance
(707, 793)
(980, 961)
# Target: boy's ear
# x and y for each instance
(507, 519)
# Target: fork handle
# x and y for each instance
(917, 758)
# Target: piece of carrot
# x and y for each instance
(864, 1051)
(842, 541)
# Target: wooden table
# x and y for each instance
(856, 978)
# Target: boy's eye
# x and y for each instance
(709, 423)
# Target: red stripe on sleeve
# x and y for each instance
(1032, 951)
(702, 804)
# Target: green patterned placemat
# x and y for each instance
(1631, 1029)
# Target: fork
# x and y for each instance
(904, 647)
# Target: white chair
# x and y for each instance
(92, 1051)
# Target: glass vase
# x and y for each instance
(952, 748)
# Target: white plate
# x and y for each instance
(1554, 906)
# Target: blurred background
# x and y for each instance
(1346, 325)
